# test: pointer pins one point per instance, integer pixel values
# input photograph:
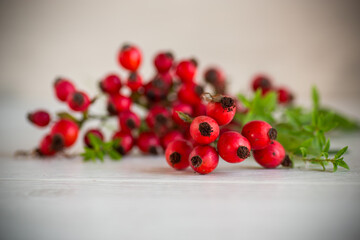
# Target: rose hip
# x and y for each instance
(157, 116)
(130, 57)
(216, 78)
(128, 121)
(63, 88)
(262, 82)
(78, 101)
(163, 61)
(148, 142)
(259, 134)
(190, 93)
(204, 130)
(118, 103)
(223, 110)
(203, 159)
(169, 137)
(233, 147)
(177, 154)
(284, 96)
(96, 132)
(51, 144)
(186, 70)
(181, 107)
(134, 81)
(111, 84)
(126, 142)
(271, 156)
(67, 129)
(40, 118)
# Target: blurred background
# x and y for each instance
(297, 43)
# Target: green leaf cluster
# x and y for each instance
(100, 149)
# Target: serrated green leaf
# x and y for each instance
(341, 152)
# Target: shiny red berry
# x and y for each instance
(216, 78)
(163, 61)
(157, 116)
(130, 57)
(63, 88)
(96, 132)
(148, 142)
(118, 103)
(233, 147)
(203, 159)
(134, 81)
(271, 156)
(157, 89)
(169, 137)
(259, 134)
(51, 144)
(199, 109)
(222, 110)
(177, 154)
(78, 101)
(126, 142)
(204, 130)
(111, 84)
(40, 118)
(284, 96)
(190, 93)
(67, 129)
(262, 82)
(181, 107)
(128, 121)
(186, 70)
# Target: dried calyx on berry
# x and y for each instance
(205, 129)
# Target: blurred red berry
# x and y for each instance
(130, 57)
(169, 137)
(157, 116)
(40, 118)
(51, 144)
(118, 103)
(134, 81)
(263, 82)
(111, 84)
(78, 101)
(96, 132)
(128, 121)
(157, 89)
(63, 88)
(284, 96)
(148, 142)
(181, 107)
(216, 78)
(126, 142)
(163, 61)
(67, 129)
(186, 70)
(190, 93)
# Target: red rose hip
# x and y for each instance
(128, 121)
(163, 61)
(177, 154)
(111, 84)
(51, 144)
(262, 82)
(170, 137)
(204, 130)
(233, 147)
(284, 96)
(96, 132)
(118, 103)
(186, 70)
(203, 159)
(67, 129)
(126, 142)
(63, 88)
(222, 109)
(148, 142)
(130, 57)
(181, 107)
(271, 156)
(134, 81)
(78, 101)
(259, 134)
(40, 118)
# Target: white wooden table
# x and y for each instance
(142, 198)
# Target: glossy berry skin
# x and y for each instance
(78, 101)
(169, 137)
(126, 142)
(259, 134)
(111, 84)
(157, 116)
(134, 81)
(190, 93)
(148, 143)
(51, 144)
(163, 61)
(186, 70)
(39, 118)
(118, 103)
(63, 88)
(271, 156)
(204, 130)
(233, 147)
(128, 121)
(67, 129)
(223, 111)
(96, 132)
(177, 154)
(203, 159)
(284, 96)
(130, 57)
(181, 107)
(262, 82)
(216, 78)
(199, 109)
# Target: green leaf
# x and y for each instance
(325, 154)
(335, 166)
(327, 146)
(303, 152)
(315, 98)
(66, 115)
(323, 165)
(343, 164)
(184, 117)
(114, 155)
(341, 152)
(95, 141)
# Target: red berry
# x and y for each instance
(262, 82)
(163, 61)
(40, 118)
(271, 156)
(216, 78)
(233, 147)
(259, 134)
(222, 111)
(96, 132)
(126, 142)
(118, 103)
(128, 121)
(51, 144)
(148, 142)
(284, 95)
(157, 116)
(130, 57)
(157, 89)
(203, 159)
(169, 137)
(181, 107)
(67, 129)
(190, 93)
(177, 154)
(111, 84)
(204, 130)
(78, 101)
(186, 70)
(134, 81)
(199, 109)
(63, 88)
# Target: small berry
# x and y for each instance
(284, 96)
(67, 129)
(148, 142)
(134, 81)
(186, 70)
(181, 107)
(118, 103)
(271, 156)
(157, 116)
(163, 61)
(63, 88)
(157, 89)
(177, 154)
(40, 118)
(78, 101)
(190, 93)
(262, 82)
(111, 84)
(96, 132)
(216, 78)
(128, 121)
(199, 109)
(51, 144)
(259, 134)
(169, 137)
(130, 57)
(223, 111)
(233, 147)
(203, 159)
(126, 142)
(204, 130)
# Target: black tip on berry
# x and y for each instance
(205, 129)
(227, 103)
(272, 133)
(265, 83)
(121, 150)
(287, 162)
(130, 123)
(196, 161)
(57, 80)
(78, 98)
(199, 90)
(169, 55)
(29, 117)
(158, 82)
(153, 150)
(211, 76)
(125, 46)
(132, 76)
(243, 152)
(161, 119)
(175, 158)
(101, 86)
(111, 109)
(57, 142)
(194, 61)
